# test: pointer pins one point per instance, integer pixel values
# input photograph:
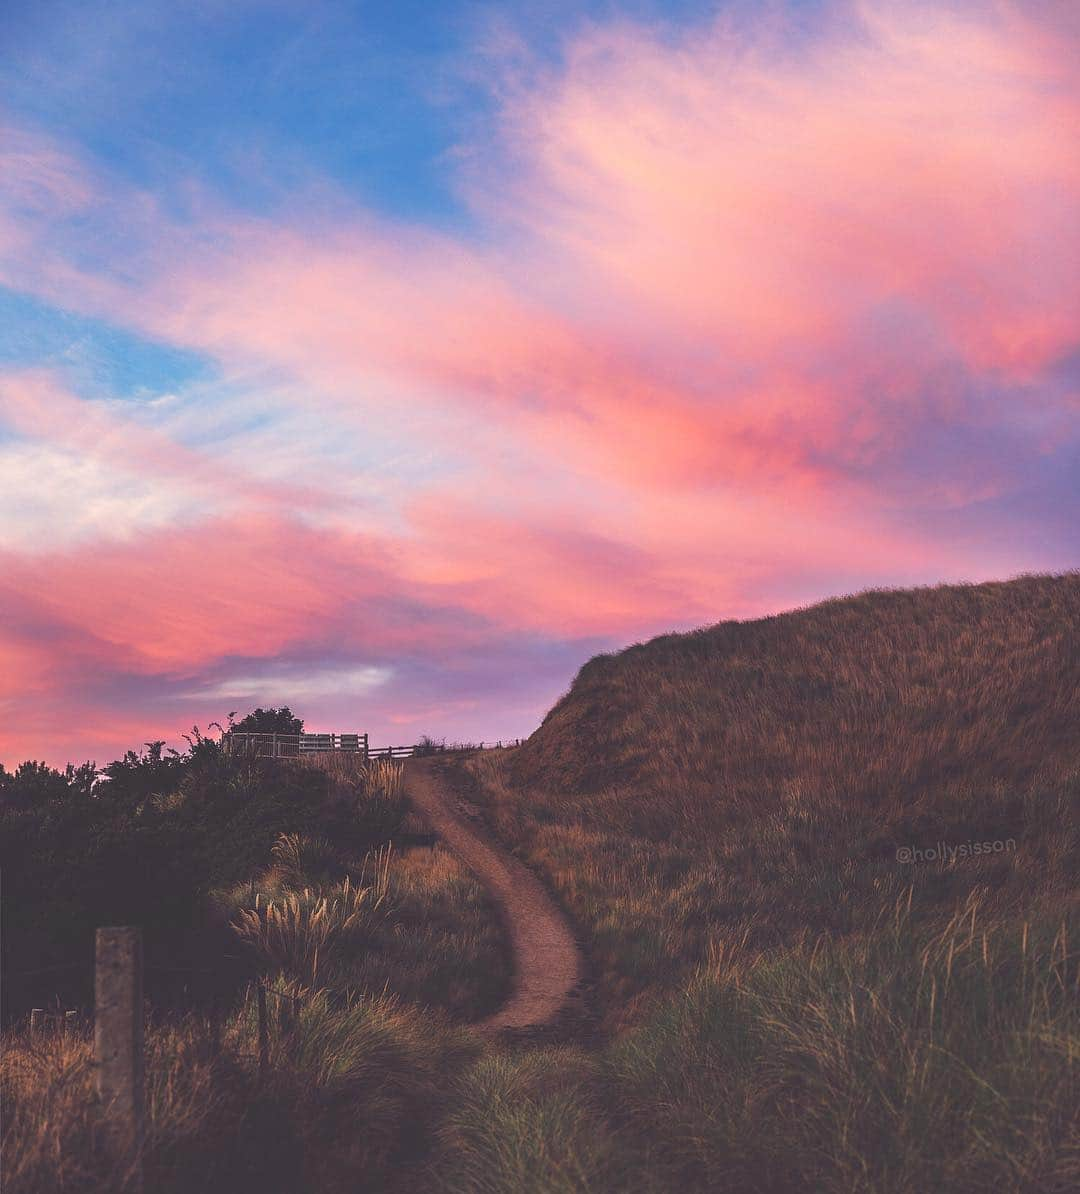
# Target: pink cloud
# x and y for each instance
(35, 405)
(687, 242)
(745, 314)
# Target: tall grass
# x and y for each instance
(897, 1062)
(369, 796)
(888, 696)
(377, 778)
(900, 1062)
(52, 1135)
(382, 950)
(347, 1104)
(532, 1122)
(416, 924)
(300, 932)
(758, 778)
(791, 1007)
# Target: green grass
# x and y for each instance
(893, 1063)
(530, 1122)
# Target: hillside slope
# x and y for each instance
(890, 694)
(761, 780)
(803, 990)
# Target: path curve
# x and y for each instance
(547, 962)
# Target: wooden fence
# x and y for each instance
(293, 746)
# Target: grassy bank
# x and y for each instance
(757, 781)
(792, 1001)
(895, 1063)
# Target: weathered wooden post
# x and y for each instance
(37, 1019)
(70, 1022)
(118, 1047)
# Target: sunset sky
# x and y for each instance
(391, 359)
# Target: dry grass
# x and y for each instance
(902, 1061)
(380, 778)
(862, 700)
(52, 1136)
(346, 1105)
(758, 778)
(720, 813)
(416, 924)
(301, 932)
(358, 1074)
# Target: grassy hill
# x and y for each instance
(798, 996)
(760, 777)
(791, 993)
(880, 698)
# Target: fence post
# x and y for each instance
(365, 748)
(118, 1046)
(264, 1032)
(37, 1018)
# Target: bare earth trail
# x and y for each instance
(547, 962)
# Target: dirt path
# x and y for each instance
(547, 963)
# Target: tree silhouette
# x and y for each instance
(268, 721)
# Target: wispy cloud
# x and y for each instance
(746, 313)
(277, 685)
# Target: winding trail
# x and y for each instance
(547, 961)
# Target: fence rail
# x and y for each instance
(293, 746)
(422, 749)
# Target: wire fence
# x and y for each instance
(61, 1020)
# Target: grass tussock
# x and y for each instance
(415, 924)
(531, 1122)
(295, 932)
(899, 1062)
(346, 1105)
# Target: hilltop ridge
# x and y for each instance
(890, 693)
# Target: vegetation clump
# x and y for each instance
(370, 958)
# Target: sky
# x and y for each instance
(390, 360)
